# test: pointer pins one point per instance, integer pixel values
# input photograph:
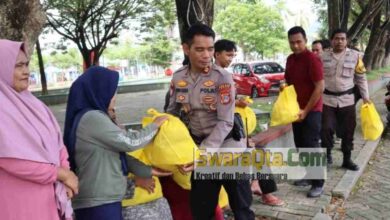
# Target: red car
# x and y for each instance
(257, 78)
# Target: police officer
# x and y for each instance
(206, 93)
(343, 69)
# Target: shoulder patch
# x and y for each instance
(224, 87)
(224, 93)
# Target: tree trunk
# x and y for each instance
(369, 12)
(22, 20)
(380, 50)
(202, 13)
(372, 43)
(386, 60)
(41, 69)
(333, 16)
(344, 13)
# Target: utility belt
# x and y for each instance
(349, 91)
(236, 133)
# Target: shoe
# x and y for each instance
(315, 191)
(302, 182)
(271, 200)
(349, 165)
(347, 162)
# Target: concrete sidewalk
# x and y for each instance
(298, 206)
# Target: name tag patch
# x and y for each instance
(181, 90)
(208, 90)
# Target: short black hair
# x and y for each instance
(326, 44)
(339, 31)
(198, 29)
(224, 45)
(317, 42)
(296, 30)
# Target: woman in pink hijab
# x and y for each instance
(35, 180)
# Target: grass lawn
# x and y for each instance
(375, 74)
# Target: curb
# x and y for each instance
(348, 181)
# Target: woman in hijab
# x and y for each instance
(34, 171)
(97, 146)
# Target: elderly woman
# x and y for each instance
(34, 171)
(97, 145)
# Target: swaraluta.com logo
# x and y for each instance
(261, 163)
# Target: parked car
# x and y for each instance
(257, 78)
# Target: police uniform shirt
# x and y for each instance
(211, 104)
(341, 73)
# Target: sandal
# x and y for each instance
(271, 200)
(257, 193)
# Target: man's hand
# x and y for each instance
(367, 101)
(184, 169)
(302, 115)
(241, 103)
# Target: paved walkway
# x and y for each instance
(130, 107)
(371, 197)
(298, 206)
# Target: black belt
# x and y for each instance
(349, 91)
(198, 140)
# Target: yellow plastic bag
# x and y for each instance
(247, 116)
(223, 200)
(286, 107)
(372, 126)
(173, 144)
(142, 196)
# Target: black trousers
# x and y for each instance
(345, 120)
(267, 186)
(307, 135)
(204, 198)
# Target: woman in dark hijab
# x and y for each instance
(97, 146)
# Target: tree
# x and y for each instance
(41, 68)
(254, 27)
(159, 23)
(21, 20)
(359, 17)
(91, 24)
(190, 12)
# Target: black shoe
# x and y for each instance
(315, 191)
(302, 182)
(349, 165)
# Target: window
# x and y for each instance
(261, 69)
(245, 70)
(276, 68)
(237, 68)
